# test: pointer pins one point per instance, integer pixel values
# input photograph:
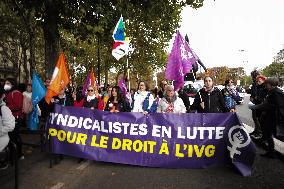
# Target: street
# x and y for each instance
(69, 174)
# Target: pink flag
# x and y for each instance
(180, 62)
(122, 86)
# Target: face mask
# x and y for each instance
(7, 87)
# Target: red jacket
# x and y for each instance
(14, 100)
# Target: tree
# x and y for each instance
(274, 70)
(150, 25)
(246, 81)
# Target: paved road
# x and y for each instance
(69, 174)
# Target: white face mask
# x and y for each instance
(7, 87)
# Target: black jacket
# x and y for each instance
(185, 99)
(272, 108)
(213, 102)
(261, 93)
(253, 90)
(94, 103)
(122, 106)
(63, 101)
(161, 93)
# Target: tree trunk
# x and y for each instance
(20, 65)
(25, 65)
(32, 53)
(99, 62)
(51, 36)
(106, 72)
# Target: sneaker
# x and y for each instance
(256, 136)
(271, 155)
(4, 165)
(22, 157)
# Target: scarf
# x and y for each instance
(89, 98)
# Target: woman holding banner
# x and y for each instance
(171, 103)
(117, 102)
(209, 99)
(62, 99)
(143, 99)
(91, 101)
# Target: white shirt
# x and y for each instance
(139, 98)
(178, 106)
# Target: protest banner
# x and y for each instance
(156, 140)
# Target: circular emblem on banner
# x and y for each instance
(238, 138)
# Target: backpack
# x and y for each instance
(27, 105)
(28, 110)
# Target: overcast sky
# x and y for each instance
(221, 28)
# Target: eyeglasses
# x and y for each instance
(91, 90)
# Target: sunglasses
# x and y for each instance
(91, 90)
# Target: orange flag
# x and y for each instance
(92, 78)
(59, 80)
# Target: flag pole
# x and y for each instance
(128, 70)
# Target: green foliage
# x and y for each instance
(274, 70)
(85, 27)
(246, 81)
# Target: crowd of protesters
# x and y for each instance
(267, 109)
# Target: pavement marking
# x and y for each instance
(57, 186)
(278, 145)
(84, 165)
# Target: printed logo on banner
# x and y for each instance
(238, 138)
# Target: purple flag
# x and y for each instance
(122, 86)
(180, 61)
(87, 82)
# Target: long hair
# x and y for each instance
(146, 85)
(254, 74)
(2, 91)
(120, 97)
(13, 83)
(227, 81)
